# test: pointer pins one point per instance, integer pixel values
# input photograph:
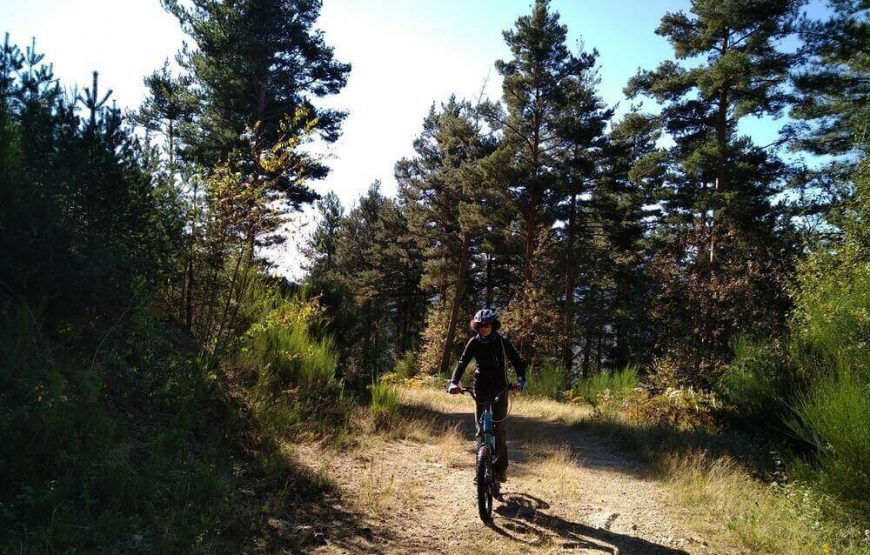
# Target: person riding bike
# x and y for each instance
(489, 350)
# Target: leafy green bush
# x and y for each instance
(548, 381)
(100, 447)
(616, 385)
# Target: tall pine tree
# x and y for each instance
(723, 253)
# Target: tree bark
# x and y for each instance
(568, 312)
(457, 300)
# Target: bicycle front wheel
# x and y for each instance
(484, 484)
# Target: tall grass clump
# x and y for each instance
(384, 407)
(404, 367)
(547, 381)
(616, 384)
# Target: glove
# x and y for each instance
(520, 386)
(454, 389)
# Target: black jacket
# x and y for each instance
(489, 354)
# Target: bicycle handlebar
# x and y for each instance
(470, 391)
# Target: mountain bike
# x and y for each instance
(487, 486)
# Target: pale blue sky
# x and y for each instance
(405, 55)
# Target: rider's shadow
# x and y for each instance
(524, 515)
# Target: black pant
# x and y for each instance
(499, 415)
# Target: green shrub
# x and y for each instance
(818, 387)
(404, 367)
(834, 417)
(761, 383)
(385, 405)
(281, 351)
(548, 381)
(616, 384)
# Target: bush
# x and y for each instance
(761, 383)
(819, 387)
(593, 388)
(385, 405)
(282, 352)
(547, 382)
(833, 417)
(404, 367)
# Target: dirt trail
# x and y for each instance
(567, 491)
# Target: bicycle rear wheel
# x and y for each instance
(484, 484)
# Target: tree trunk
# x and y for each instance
(568, 312)
(722, 144)
(188, 296)
(598, 349)
(489, 258)
(457, 300)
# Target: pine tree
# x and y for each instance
(321, 247)
(834, 93)
(441, 187)
(723, 252)
(622, 204)
(379, 265)
(535, 92)
(169, 110)
(581, 129)
(258, 67)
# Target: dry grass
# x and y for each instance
(542, 409)
(377, 489)
(739, 514)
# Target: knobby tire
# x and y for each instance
(484, 484)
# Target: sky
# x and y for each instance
(405, 54)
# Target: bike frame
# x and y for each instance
(487, 486)
(487, 429)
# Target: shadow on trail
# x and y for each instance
(523, 517)
(613, 445)
(290, 508)
(591, 449)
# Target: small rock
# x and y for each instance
(634, 527)
(319, 539)
(278, 524)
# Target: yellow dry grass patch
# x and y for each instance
(537, 408)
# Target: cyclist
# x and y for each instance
(489, 350)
